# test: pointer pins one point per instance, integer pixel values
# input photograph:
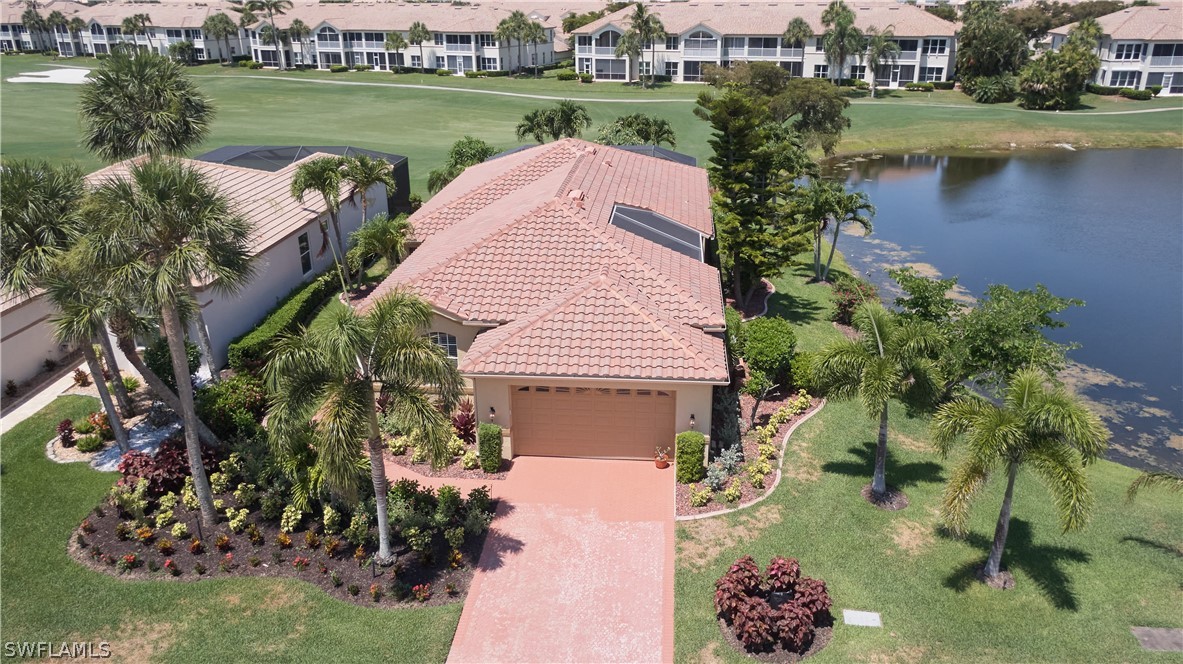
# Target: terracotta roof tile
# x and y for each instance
(1154, 23)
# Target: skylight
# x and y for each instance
(660, 229)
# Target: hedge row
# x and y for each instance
(489, 446)
(944, 85)
(920, 87)
(250, 350)
(1140, 95)
(689, 454)
(1104, 90)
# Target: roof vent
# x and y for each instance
(575, 194)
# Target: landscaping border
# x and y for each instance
(779, 471)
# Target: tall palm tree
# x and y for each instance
(325, 175)
(565, 119)
(34, 22)
(271, 8)
(395, 42)
(298, 33)
(468, 151)
(889, 359)
(137, 24)
(383, 236)
(629, 46)
(221, 28)
(246, 16)
(328, 376)
(363, 172)
(1042, 428)
(648, 29)
(798, 32)
(76, 26)
(131, 105)
(841, 39)
(271, 36)
(417, 35)
(534, 34)
(165, 226)
(55, 20)
(848, 207)
(512, 28)
(881, 49)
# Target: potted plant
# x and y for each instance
(661, 457)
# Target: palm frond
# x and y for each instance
(1060, 468)
(1152, 479)
(966, 480)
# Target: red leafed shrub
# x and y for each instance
(464, 422)
(752, 623)
(728, 597)
(793, 625)
(166, 471)
(746, 574)
(782, 573)
(810, 594)
(66, 433)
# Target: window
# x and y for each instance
(378, 37)
(459, 40)
(644, 68)
(193, 34)
(1128, 52)
(692, 70)
(858, 72)
(1167, 50)
(701, 41)
(907, 45)
(1125, 79)
(173, 34)
(446, 342)
(416, 62)
(100, 48)
(932, 74)
(821, 71)
(611, 69)
(608, 39)
(487, 41)
(199, 53)
(327, 35)
(817, 45)
(764, 42)
(671, 69)
(671, 42)
(584, 40)
(305, 254)
(488, 64)
(441, 62)
(935, 46)
(439, 39)
(585, 65)
(96, 29)
(359, 58)
(734, 44)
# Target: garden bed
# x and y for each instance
(454, 469)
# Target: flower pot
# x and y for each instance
(661, 463)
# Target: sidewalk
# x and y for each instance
(37, 401)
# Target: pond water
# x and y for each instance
(1104, 226)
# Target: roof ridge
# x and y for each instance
(667, 326)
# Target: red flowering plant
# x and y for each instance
(171, 567)
(300, 563)
(422, 592)
(375, 591)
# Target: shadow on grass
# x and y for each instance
(796, 310)
(899, 475)
(1043, 563)
(1154, 544)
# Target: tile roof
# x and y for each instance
(518, 238)
(1155, 23)
(770, 18)
(438, 16)
(163, 15)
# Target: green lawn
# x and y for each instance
(49, 597)
(1076, 597)
(264, 107)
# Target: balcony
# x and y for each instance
(908, 56)
(328, 43)
(762, 52)
(701, 52)
(1166, 60)
(596, 50)
(458, 48)
(792, 52)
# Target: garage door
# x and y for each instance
(591, 421)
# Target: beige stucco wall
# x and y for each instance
(692, 398)
(464, 336)
(26, 341)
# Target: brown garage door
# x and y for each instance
(591, 421)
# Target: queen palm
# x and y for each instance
(137, 24)
(629, 46)
(323, 381)
(512, 28)
(841, 39)
(34, 22)
(395, 42)
(888, 359)
(798, 32)
(55, 20)
(1036, 426)
(324, 176)
(363, 172)
(1155, 479)
(648, 29)
(847, 207)
(534, 34)
(76, 26)
(565, 119)
(271, 8)
(383, 236)
(269, 35)
(298, 32)
(221, 28)
(881, 49)
(417, 35)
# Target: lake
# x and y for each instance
(1104, 226)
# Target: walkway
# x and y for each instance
(40, 399)
(578, 565)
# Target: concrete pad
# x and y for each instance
(1159, 639)
(861, 618)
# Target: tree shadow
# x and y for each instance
(1154, 544)
(1043, 563)
(899, 475)
(498, 544)
(798, 311)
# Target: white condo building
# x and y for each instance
(1141, 47)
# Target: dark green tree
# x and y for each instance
(988, 44)
(816, 109)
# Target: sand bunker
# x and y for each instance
(68, 75)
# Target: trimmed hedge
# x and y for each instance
(689, 452)
(443, 72)
(1103, 90)
(338, 69)
(497, 73)
(1139, 95)
(944, 85)
(472, 74)
(362, 67)
(920, 87)
(567, 75)
(489, 444)
(586, 78)
(1154, 89)
(769, 346)
(250, 350)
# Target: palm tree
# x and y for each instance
(848, 207)
(272, 36)
(534, 34)
(1169, 481)
(512, 28)
(383, 236)
(271, 8)
(137, 24)
(881, 48)
(889, 359)
(468, 151)
(327, 376)
(164, 226)
(841, 38)
(629, 46)
(417, 35)
(34, 22)
(246, 16)
(798, 32)
(221, 28)
(131, 105)
(325, 175)
(76, 26)
(55, 20)
(298, 32)
(1045, 428)
(565, 119)
(395, 42)
(812, 205)
(647, 28)
(362, 173)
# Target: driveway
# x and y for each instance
(578, 566)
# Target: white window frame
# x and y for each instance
(644, 67)
(416, 61)
(448, 343)
(1129, 51)
(932, 74)
(1130, 78)
(936, 46)
(441, 62)
(821, 71)
(487, 40)
(671, 69)
(305, 249)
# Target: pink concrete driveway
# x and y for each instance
(578, 566)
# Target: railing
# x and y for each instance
(701, 52)
(762, 52)
(907, 55)
(328, 43)
(792, 52)
(596, 50)
(1166, 60)
(458, 48)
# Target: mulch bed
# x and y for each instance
(101, 549)
(778, 654)
(1004, 580)
(755, 305)
(751, 451)
(892, 501)
(452, 470)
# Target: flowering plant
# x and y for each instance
(422, 592)
(300, 563)
(128, 562)
(172, 567)
(375, 591)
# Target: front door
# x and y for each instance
(895, 76)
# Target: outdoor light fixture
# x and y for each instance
(492, 413)
(692, 421)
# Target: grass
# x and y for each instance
(49, 597)
(1076, 597)
(265, 107)
(374, 274)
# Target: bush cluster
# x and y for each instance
(567, 75)
(362, 67)
(1138, 95)
(464, 422)
(338, 69)
(249, 351)
(1103, 90)
(801, 604)
(991, 89)
(165, 472)
(920, 87)
(443, 72)
(425, 516)
(768, 346)
(944, 85)
(849, 293)
(689, 452)
(160, 361)
(233, 407)
(489, 446)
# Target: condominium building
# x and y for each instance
(1141, 47)
(699, 34)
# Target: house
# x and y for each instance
(570, 287)
(26, 338)
(1140, 47)
(699, 34)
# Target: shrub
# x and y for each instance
(254, 535)
(586, 78)
(312, 540)
(284, 540)
(180, 530)
(497, 73)
(164, 518)
(359, 529)
(354, 589)
(455, 447)
(145, 534)
(422, 592)
(567, 75)
(992, 89)
(66, 433)
(227, 563)
(332, 520)
(782, 574)
(716, 477)
(332, 546)
(464, 422)
(89, 444)
(733, 492)
(130, 500)
(158, 359)
(300, 563)
(291, 519)
(471, 460)
(1103, 90)
(246, 495)
(489, 437)
(801, 371)
(196, 546)
(398, 445)
(730, 459)
(700, 497)
(362, 67)
(128, 562)
(472, 74)
(165, 547)
(849, 293)
(338, 69)
(689, 454)
(232, 407)
(219, 482)
(171, 567)
(944, 85)
(1138, 95)
(919, 87)
(1154, 89)
(419, 453)
(480, 501)
(199, 568)
(167, 471)
(793, 625)
(249, 351)
(335, 578)
(102, 426)
(237, 518)
(416, 201)
(769, 345)
(811, 595)
(81, 379)
(443, 72)
(131, 384)
(222, 542)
